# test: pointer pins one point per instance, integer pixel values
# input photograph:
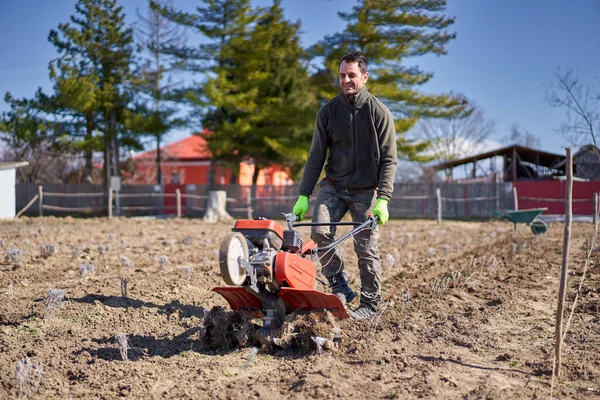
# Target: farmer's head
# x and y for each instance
(352, 73)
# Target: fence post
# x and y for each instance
(178, 194)
(41, 197)
(515, 197)
(249, 202)
(110, 201)
(595, 218)
(438, 195)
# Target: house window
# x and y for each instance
(176, 178)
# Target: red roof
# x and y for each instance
(191, 148)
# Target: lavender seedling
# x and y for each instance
(29, 376)
(123, 344)
(14, 255)
(446, 248)
(1, 242)
(126, 263)
(390, 261)
(124, 287)
(187, 271)
(431, 251)
(76, 251)
(163, 261)
(85, 270)
(100, 249)
(405, 298)
(186, 240)
(10, 290)
(47, 250)
(249, 359)
(26, 243)
(54, 301)
(467, 241)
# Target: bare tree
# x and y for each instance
(453, 138)
(522, 137)
(157, 35)
(582, 104)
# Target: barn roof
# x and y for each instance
(13, 164)
(526, 154)
(191, 148)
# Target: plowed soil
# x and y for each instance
(468, 313)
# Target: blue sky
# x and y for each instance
(505, 54)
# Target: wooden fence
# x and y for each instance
(410, 200)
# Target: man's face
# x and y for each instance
(351, 78)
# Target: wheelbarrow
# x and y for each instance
(529, 217)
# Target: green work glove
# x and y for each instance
(380, 210)
(301, 206)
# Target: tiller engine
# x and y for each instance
(271, 272)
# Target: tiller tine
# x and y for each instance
(307, 300)
(241, 299)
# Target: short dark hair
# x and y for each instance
(356, 57)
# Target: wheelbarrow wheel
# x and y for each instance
(539, 226)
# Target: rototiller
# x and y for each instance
(271, 271)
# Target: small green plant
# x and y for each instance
(513, 364)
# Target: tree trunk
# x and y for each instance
(212, 174)
(158, 162)
(216, 209)
(88, 153)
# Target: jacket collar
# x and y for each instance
(360, 98)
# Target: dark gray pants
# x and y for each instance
(332, 204)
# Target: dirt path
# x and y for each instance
(469, 313)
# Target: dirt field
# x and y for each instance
(469, 313)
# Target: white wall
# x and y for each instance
(7, 193)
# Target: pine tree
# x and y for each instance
(388, 32)
(219, 22)
(96, 52)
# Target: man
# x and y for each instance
(355, 134)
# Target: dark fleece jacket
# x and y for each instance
(359, 141)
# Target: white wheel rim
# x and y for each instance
(236, 250)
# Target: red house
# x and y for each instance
(187, 162)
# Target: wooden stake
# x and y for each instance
(595, 218)
(110, 200)
(27, 206)
(516, 198)
(565, 263)
(178, 194)
(41, 197)
(438, 195)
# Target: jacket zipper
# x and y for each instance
(354, 141)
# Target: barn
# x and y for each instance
(8, 187)
(187, 162)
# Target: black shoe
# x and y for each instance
(339, 287)
(363, 311)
